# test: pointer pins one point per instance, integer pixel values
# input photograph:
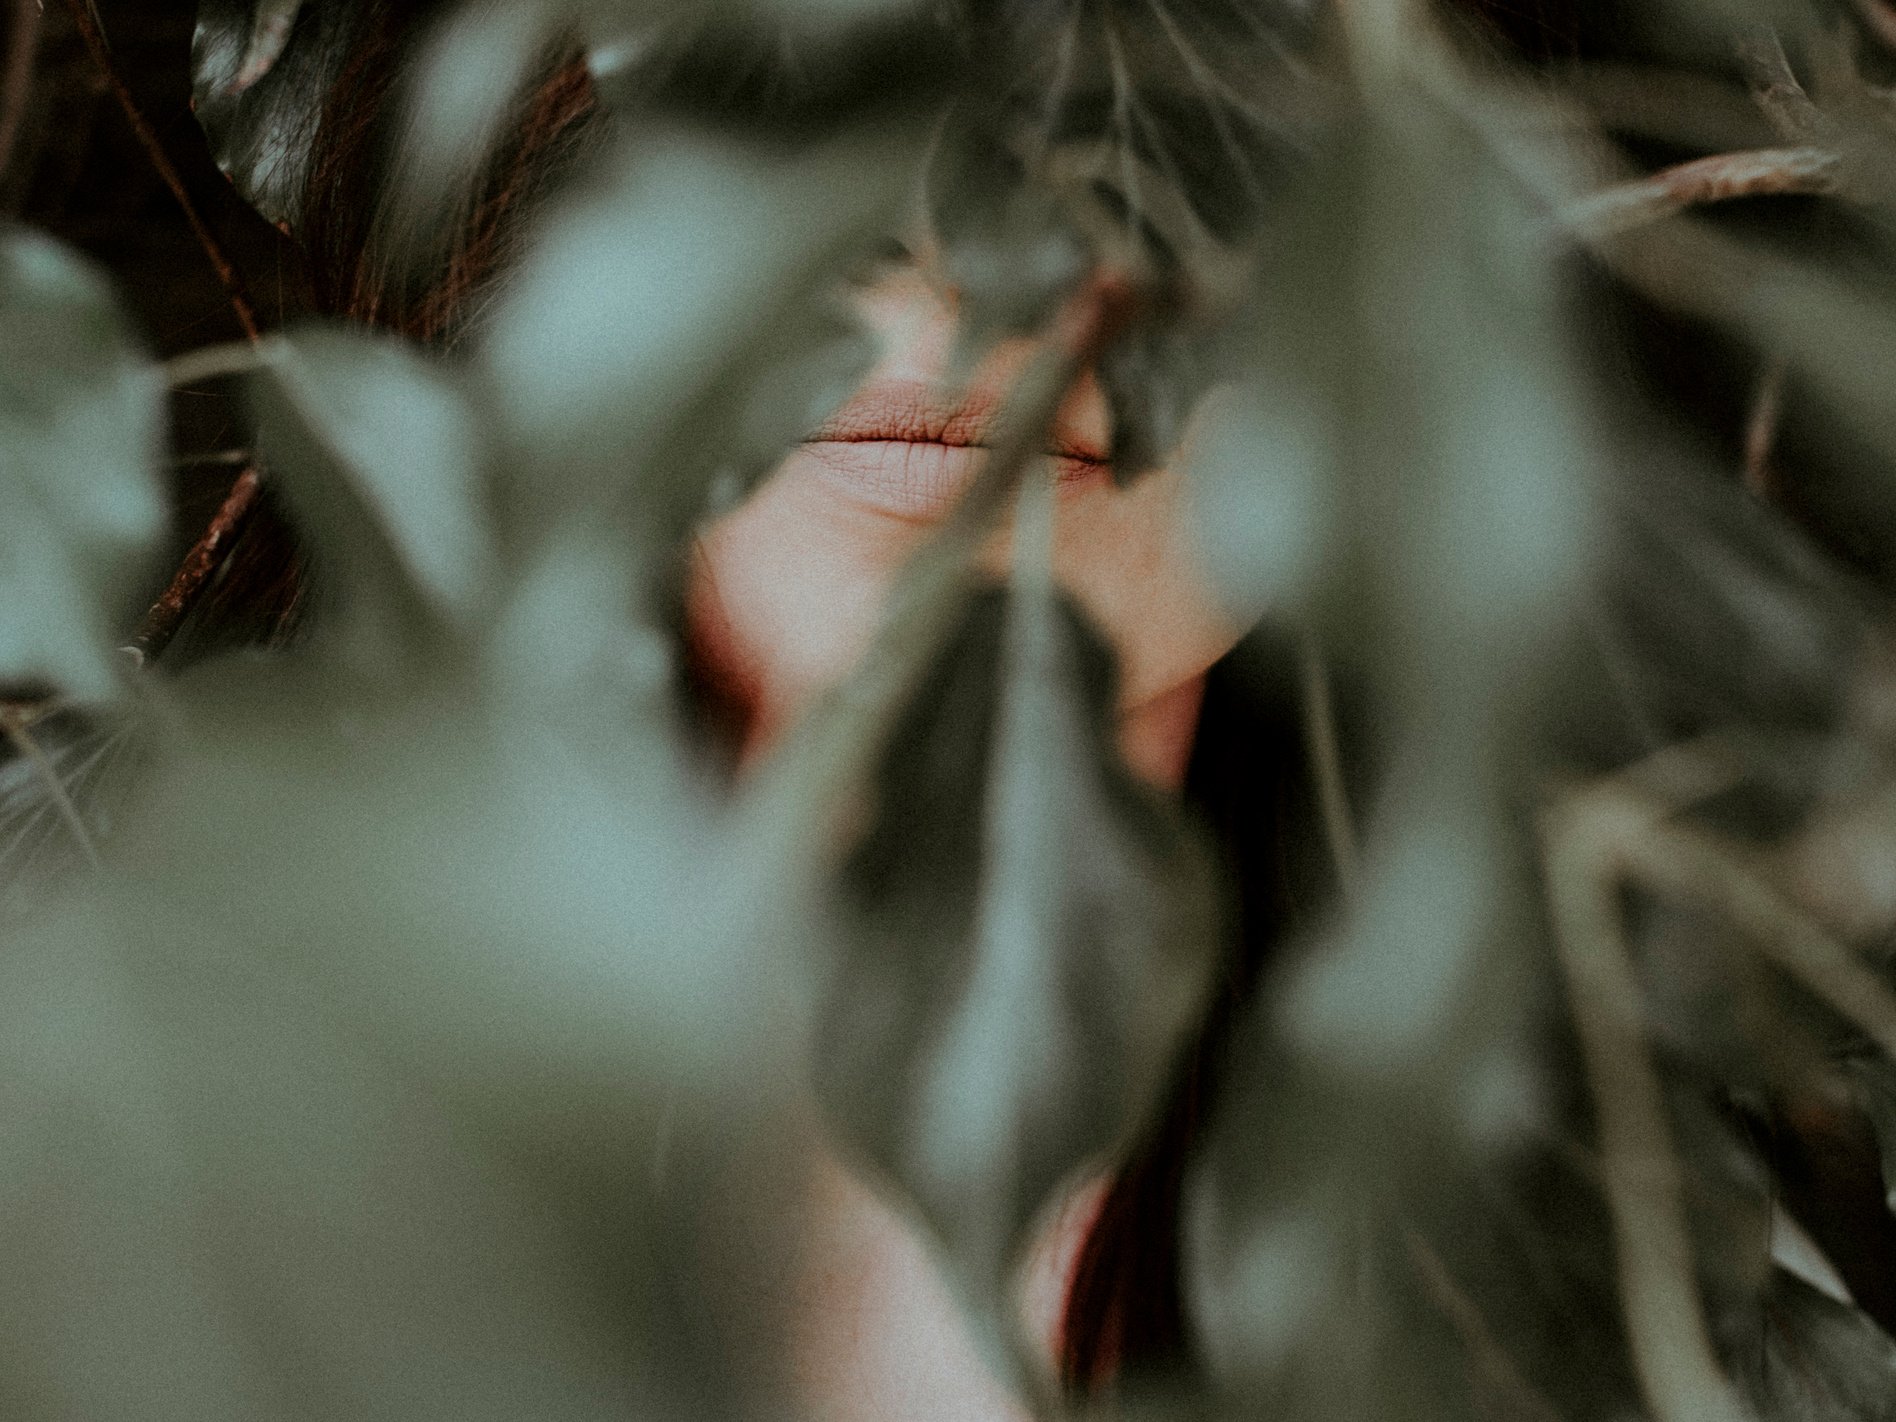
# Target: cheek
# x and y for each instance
(786, 594)
(790, 588)
(1131, 560)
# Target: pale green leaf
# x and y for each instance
(81, 417)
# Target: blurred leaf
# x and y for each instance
(378, 453)
(474, 73)
(1262, 493)
(1819, 1359)
(1427, 394)
(1149, 138)
(545, 887)
(1028, 935)
(231, 1202)
(81, 420)
(674, 282)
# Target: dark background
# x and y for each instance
(78, 172)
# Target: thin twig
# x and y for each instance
(155, 152)
(167, 614)
(1665, 1321)
(1775, 88)
(1326, 760)
(1601, 839)
(16, 83)
(215, 362)
(1690, 864)
(1492, 1369)
(15, 726)
(1761, 427)
(1759, 172)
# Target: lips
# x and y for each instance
(909, 449)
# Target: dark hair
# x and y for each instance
(1249, 784)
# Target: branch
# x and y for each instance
(1775, 88)
(1761, 172)
(168, 613)
(1691, 864)
(1584, 840)
(1326, 759)
(1761, 427)
(155, 151)
(1613, 834)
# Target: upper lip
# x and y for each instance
(916, 412)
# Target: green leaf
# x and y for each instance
(225, 1200)
(1027, 939)
(379, 455)
(671, 286)
(81, 419)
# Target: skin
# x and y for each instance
(787, 592)
(790, 586)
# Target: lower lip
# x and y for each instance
(918, 480)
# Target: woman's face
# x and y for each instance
(791, 586)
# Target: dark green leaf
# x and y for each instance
(1028, 936)
(378, 455)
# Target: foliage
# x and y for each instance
(432, 1030)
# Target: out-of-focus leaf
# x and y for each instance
(1431, 392)
(473, 72)
(1263, 493)
(81, 417)
(1819, 1360)
(1151, 139)
(226, 1200)
(546, 888)
(663, 287)
(1028, 936)
(378, 455)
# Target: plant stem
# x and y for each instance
(167, 614)
(1775, 88)
(1761, 427)
(1326, 760)
(1761, 172)
(1665, 1323)
(155, 151)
